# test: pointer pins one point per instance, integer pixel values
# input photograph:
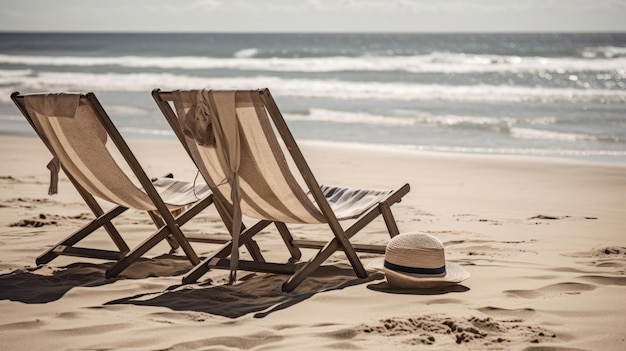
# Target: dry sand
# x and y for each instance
(543, 240)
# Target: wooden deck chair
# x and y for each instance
(75, 129)
(231, 138)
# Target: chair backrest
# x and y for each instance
(268, 189)
(74, 132)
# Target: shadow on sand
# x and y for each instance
(258, 294)
(45, 283)
(386, 288)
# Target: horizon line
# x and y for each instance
(309, 32)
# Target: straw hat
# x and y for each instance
(417, 261)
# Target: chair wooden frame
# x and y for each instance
(341, 238)
(168, 226)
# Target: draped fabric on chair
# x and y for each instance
(79, 141)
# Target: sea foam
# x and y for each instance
(303, 87)
(436, 62)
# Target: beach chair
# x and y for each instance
(232, 140)
(75, 129)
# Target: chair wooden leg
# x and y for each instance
(251, 245)
(137, 252)
(158, 222)
(392, 226)
(254, 250)
(163, 233)
(352, 256)
(184, 244)
(329, 249)
(310, 266)
(245, 236)
(314, 263)
(97, 211)
(82, 233)
(295, 252)
(198, 271)
(202, 268)
(182, 218)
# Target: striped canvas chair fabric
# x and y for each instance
(75, 128)
(267, 188)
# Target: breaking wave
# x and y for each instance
(301, 87)
(436, 62)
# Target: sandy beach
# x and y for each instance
(543, 240)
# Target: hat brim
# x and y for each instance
(454, 275)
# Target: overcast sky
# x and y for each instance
(313, 15)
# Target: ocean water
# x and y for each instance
(546, 95)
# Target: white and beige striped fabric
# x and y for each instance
(268, 189)
(79, 141)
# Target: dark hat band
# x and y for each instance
(415, 270)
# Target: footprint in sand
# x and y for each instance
(473, 218)
(47, 219)
(601, 252)
(604, 280)
(569, 288)
(445, 330)
(504, 313)
(603, 257)
(244, 342)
